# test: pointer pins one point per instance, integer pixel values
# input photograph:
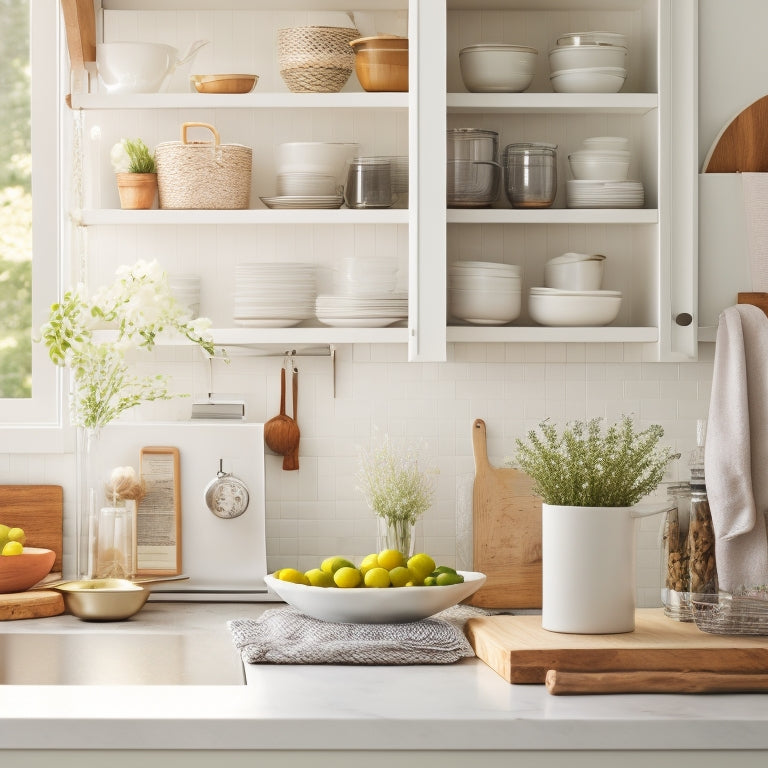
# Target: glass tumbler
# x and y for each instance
(530, 173)
(369, 183)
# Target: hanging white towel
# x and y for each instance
(736, 451)
(755, 187)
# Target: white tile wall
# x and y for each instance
(317, 511)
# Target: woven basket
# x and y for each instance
(203, 174)
(316, 59)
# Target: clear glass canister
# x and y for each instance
(530, 174)
(675, 560)
(701, 544)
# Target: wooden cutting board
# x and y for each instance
(742, 146)
(522, 652)
(506, 530)
(38, 510)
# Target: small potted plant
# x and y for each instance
(399, 489)
(136, 173)
(590, 480)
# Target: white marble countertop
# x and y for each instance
(441, 707)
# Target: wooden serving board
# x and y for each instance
(38, 510)
(506, 530)
(522, 652)
(742, 146)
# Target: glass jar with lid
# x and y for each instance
(675, 560)
(530, 174)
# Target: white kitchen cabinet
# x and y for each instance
(651, 250)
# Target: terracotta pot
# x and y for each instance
(137, 190)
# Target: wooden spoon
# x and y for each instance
(281, 433)
(291, 458)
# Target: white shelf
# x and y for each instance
(116, 216)
(539, 334)
(253, 100)
(290, 337)
(552, 103)
(553, 216)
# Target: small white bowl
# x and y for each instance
(497, 67)
(608, 143)
(589, 80)
(575, 274)
(573, 309)
(592, 38)
(485, 307)
(580, 56)
(612, 166)
(320, 157)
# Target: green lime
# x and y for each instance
(400, 576)
(430, 581)
(444, 579)
(332, 564)
(347, 577)
(377, 577)
(390, 558)
(443, 569)
(318, 578)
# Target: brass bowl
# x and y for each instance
(224, 83)
(20, 572)
(103, 599)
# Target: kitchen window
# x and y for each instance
(30, 242)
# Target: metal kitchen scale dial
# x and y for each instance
(226, 495)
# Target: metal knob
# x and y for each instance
(684, 318)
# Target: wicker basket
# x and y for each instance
(203, 174)
(316, 59)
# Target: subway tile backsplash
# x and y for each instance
(318, 511)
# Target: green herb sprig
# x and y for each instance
(588, 466)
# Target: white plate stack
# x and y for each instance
(362, 311)
(274, 294)
(484, 292)
(587, 193)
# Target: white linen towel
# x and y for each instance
(755, 188)
(736, 450)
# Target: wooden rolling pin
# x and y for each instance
(561, 683)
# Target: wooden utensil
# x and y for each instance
(742, 146)
(562, 683)
(281, 433)
(521, 651)
(291, 458)
(506, 525)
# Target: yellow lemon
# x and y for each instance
(368, 562)
(347, 577)
(400, 576)
(377, 577)
(421, 565)
(319, 578)
(390, 558)
(332, 564)
(13, 548)
(292, 575)
(17, 534)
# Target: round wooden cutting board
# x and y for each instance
(34, 604)
(742, 146)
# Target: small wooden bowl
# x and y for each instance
(20, 572)
(224, 83)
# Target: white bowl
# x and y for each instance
(575, 274)
(485, 268)
(607, 143)
(319, 157)
(580, 56)
(134, 67)
(488, 282)
(306, 185)
(602, 166)
(588, 80)
(485, 307)
(572, 309)
(362, 605)
(497, 67)
(592, 38)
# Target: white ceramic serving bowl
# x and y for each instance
(573, 308)
(607, 143)
(575, 274)
(581, 56)
(484, 283)
(588, 80)
(306, 185)
(134, 67)
(497, 67)
(592, 38)
(318, 157)
(363, 605)
(600, 165)
(485, 307)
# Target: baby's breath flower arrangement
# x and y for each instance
(588, 466)
(398, 488)
(138, 307)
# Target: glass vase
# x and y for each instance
(396, 534)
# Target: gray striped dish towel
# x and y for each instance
(287, 636)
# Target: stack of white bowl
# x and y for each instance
(365, 276)
(483, 292)
(186, 291)
(600, 169)
(588, 62)
(274, 294)
(497, 67)
(573, 295)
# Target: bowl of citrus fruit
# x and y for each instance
(385, 587)
(21, 567)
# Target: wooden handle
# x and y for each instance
(479, 444)
(560, 683)
(282, 392)
(185, 126)
(295, 388)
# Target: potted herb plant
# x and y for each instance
(590, 479)
(136, 173)
(398, 488)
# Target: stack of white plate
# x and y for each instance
(552, 307)
(186, 291)
(274, 294)
(362, 311)
(365, 276)
(483, 292)
(586, 193)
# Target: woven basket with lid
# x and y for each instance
(316, 59)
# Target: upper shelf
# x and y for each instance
(604, 103)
